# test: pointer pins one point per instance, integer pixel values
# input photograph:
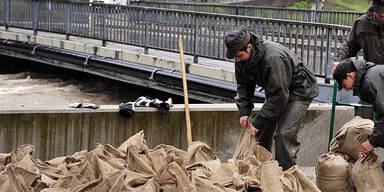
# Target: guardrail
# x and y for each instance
(202, 33)
(318, 16)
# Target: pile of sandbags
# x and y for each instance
(336, 170)
(135, 167)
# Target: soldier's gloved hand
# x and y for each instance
(244, 121)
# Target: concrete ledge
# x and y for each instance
(91, 49)
(24, 37)
(8, 35)
(150, 60)
(74, 46)
(57, 43)
(115, 108)
(109, 52)
(59, 131)
(212, 72)
(44, 41)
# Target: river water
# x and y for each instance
(40, 89)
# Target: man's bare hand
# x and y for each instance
(334, 65)
(366, 147)
(244, 121)
(254, 130)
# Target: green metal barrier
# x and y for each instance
(334, 103)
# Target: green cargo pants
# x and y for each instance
(288, 124)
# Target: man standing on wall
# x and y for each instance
(289, 90)
(367, 34)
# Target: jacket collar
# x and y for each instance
(361, 68)
(257, 52)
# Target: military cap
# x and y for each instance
(378, 6)
(340, 73)
(236, 40)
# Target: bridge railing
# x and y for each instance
(319, 16)
(202, 33)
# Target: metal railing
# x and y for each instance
(202, 33)
(318, 16)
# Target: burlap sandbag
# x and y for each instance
(350, 136)
(368, 175)
(333, 173)
(27, 169)
(55, 162)
(169, 149)
(198, 151)
(19, 176)
(137, 140)
(19, 154)
(133, 180)
(157, 159)
(138, 162)
(224, 175)
(54, 173)
(247, 146)
(174, 178)
(55, 190)
(211, 166)
(5, 158)
(269, 176)
(299, 181)
(149, 186)
(173, 154)
(200, 179)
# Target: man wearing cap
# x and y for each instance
(367, 34)
(367, 81)
(289, 89)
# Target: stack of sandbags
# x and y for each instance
(135, 167)
(333, 170)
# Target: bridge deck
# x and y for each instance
(225, 65)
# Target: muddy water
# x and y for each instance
(39, 89)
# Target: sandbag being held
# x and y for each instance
(247, 146)
(349, 138)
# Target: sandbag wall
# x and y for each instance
(135, 167)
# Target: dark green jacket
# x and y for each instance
(368, 34)
(369, 86)
(282, 75)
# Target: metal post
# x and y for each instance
(68, 22)
(146, 15)
(332, 115)
(317, 4)
(6, 13)
(328, 66)
(104, 37)
(196, 44)
(35, 16)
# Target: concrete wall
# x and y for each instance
(60, 131)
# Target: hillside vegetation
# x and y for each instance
(347, 5)
(337, 5)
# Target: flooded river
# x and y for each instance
(39, 89)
